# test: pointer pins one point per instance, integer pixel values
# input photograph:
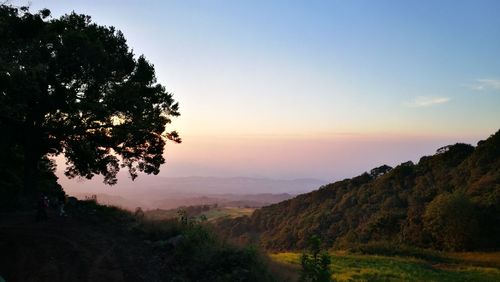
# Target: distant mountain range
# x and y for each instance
(172, 192)
(228, 185)
(178, 200)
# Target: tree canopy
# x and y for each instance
(69, 86)
(451, 220)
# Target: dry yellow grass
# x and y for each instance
(491, 259)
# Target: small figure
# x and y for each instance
(62, 204)
(41, 210)
(139, 213)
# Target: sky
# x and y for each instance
(320, 89)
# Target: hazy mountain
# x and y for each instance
(223, 200)
(168, 193)
(112, 200)
(231, 185)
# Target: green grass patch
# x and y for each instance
(390, 249)
(353, 267)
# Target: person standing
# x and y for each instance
(42, 205)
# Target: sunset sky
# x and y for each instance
(321, 89)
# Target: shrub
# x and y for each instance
(451, 221)
(316, 264)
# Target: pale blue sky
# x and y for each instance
(316, 69)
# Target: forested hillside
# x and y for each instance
(450, 200)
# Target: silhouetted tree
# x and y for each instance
(381, 170)
(69, 86)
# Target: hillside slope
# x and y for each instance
(99, 243)
(389, 205)
(67, 249)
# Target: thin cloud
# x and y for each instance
(483, 84)
(424, 101)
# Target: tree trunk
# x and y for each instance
(31, 160)
(32, 156)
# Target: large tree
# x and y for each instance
(451, 220)
(69, 86)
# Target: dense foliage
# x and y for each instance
(104, 243)
(183, 248)
(411, 204)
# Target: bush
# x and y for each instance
(451, 221)
(316, 264)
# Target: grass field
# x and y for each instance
(453, 267)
